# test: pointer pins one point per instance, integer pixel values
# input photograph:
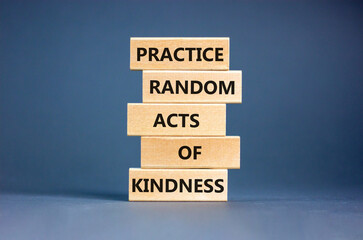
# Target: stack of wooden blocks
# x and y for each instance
(185, 152)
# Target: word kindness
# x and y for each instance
(169, 185)
(192, 54)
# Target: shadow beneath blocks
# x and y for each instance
(92, 195)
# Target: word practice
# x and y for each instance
(179, 53)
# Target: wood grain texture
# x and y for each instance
(211, 119)
(197, 62)
(183, 86)
(205, 185)
(190, 152)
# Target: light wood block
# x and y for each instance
(192, 86)
(177, 184)
(179, 53)
(176, 119)
(190, 152)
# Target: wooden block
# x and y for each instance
(177, 184)
(176, 119)
(192, 86)
(179, 53)
(190, 152)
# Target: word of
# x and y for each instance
(189, 152)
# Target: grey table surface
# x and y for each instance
(27, 216)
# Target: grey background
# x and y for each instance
(65, 85)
